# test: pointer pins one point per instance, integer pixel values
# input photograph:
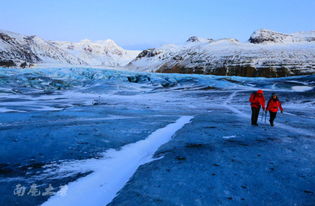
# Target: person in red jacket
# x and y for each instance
(273, 106)
(257, 100)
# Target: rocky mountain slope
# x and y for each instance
(16, 49)
(267, 53)
(32, 49)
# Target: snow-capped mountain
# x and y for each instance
(16, 49)
(267, 36)
(105, 53)
(268, 53)
(32, 49)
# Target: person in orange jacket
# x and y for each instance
(273, 106)
(257, 101)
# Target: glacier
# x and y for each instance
(61, 126)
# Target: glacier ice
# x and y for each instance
(55, 119)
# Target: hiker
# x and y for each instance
(257, 100)
(273, 106)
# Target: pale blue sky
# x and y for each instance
(137, 24)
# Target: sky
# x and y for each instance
(141, 24)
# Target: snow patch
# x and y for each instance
(113, 171)
(302, 88)
(229, 137)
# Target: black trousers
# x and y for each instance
(255, 114)
(272, 116)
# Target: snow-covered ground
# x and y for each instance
(156, 139)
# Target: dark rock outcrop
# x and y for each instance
(198, 39)
(263, 36)
(244, 71)
(148, 53)
(7, 63)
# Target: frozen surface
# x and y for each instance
(259, 166)
(64, 126)
(113, 171)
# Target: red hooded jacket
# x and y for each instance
(257, 101)
(274, 105)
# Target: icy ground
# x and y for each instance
(156, 139)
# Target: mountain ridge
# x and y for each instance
(17, 49)
(266, 54)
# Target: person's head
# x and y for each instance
(260, 92)
(274, 96)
